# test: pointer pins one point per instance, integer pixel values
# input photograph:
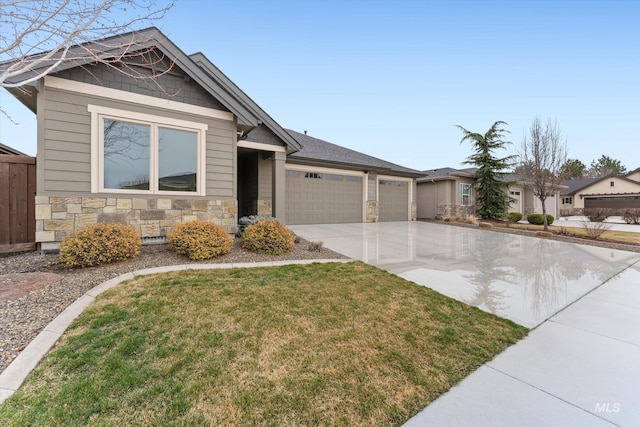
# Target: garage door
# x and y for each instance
(612, 202)
(323, 198)
(393, 200)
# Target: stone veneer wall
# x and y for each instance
(454, 210)
(264, 207)
(56, 217)
(372, 211)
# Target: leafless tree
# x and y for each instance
(543, 152)
(36, 37)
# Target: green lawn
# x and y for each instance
(328, 344)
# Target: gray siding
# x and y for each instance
(264, 135)
(67, 144)
(173, 85)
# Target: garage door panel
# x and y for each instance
(393, 200)
(617, 203)
(317, 198)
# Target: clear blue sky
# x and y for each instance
(392, 78)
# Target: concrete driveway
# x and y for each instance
(580, 366)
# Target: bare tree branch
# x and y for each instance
(543, 153)
(37, 36)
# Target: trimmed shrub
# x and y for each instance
(537, 219)
(631, 216)
(470, 219)
(315, 246)
(200, 240)
(98, 244)
(246, 221)
(268, 237)
(514, 216)
(597, 214)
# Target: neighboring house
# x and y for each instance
(448, 191)
(112, 148)
(5, 149)
(609, 192)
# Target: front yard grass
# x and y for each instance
(614, 236)
(319, 344)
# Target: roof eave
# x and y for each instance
(351, 166)
(215, 73)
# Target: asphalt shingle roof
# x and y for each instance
(314, 149)
(577, 184)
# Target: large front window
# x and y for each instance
(465, 194)
(147, 154)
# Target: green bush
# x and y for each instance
(514, 216)
(200, 240)
(246, 221)
(268, 237)
(537, 219)
(98, 244)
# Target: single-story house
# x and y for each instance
(448, 191)
(609, 192)
(188, 144)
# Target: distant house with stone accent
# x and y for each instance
(113, 148)
(448, 191)
(609, 192)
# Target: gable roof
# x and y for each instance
(197, 67)
(5, 149)
(446, 173)
(577, 184)
(315, 151)
(214, 72)
(636, 170)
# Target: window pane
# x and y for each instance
(177, 160)
(126, 155)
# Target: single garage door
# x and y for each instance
(323, 198)
(612, 202)
(393, 200)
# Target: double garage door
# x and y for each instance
(617, 203)
(332, 198)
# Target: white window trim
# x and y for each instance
(462, 184)
(97, 149)
(261, 146)
(397, 178)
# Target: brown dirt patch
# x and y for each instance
(16, 285)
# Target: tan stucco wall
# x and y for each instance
(620, 187)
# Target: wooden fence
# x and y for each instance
(17, 203)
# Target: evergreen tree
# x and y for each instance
(491, 187)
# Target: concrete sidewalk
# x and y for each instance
(579, 366)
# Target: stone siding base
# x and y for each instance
(454, 210)
(372, 211)
(57, 217)
(264, 207)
